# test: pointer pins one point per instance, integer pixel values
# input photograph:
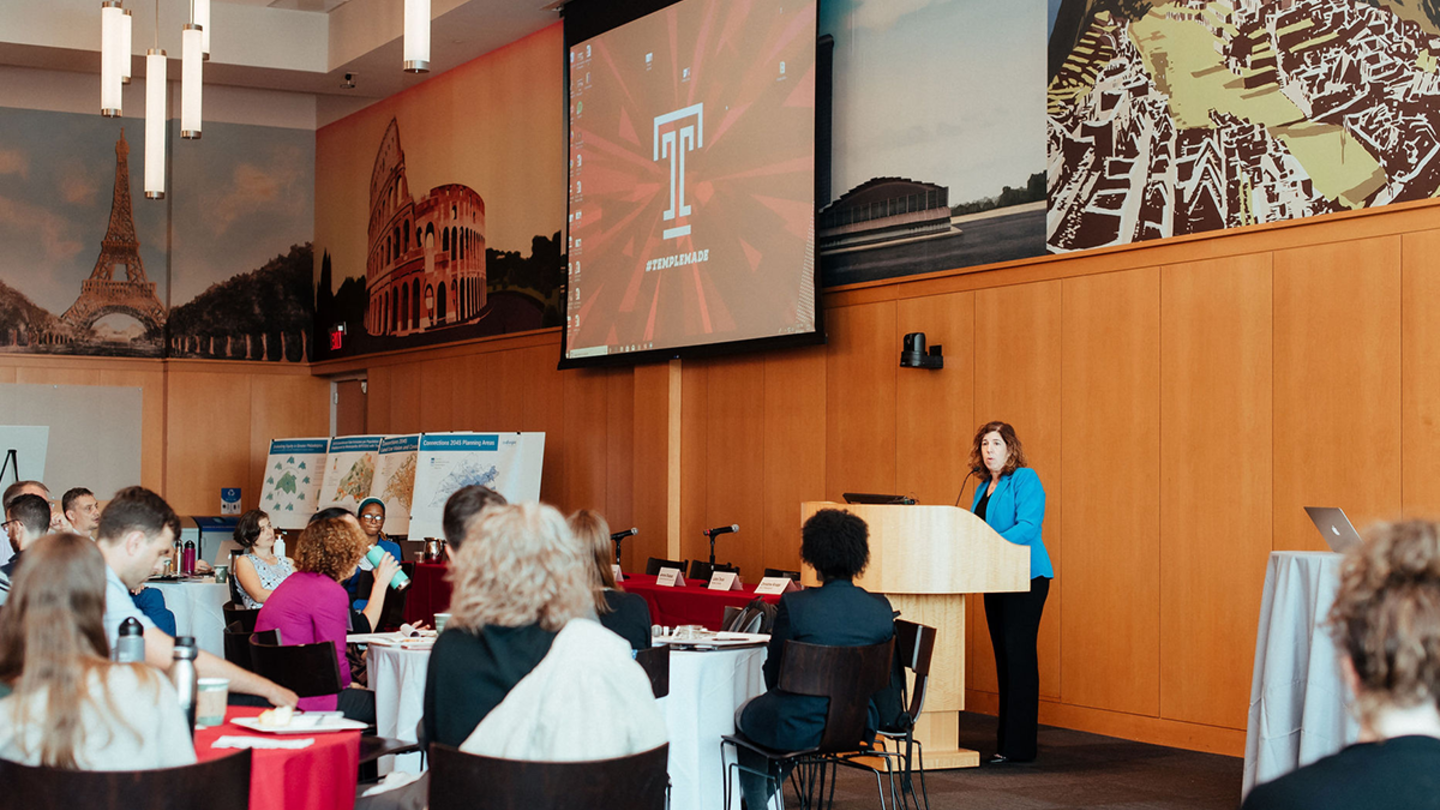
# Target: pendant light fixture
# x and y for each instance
(111, 39)
(190, 71)
(126, 43)
(200, 16)
(155, 66)
(417, 36)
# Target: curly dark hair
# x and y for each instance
(247, 528)
(836, 544)
(330, 546)
(1016, 459)
(1386, 616)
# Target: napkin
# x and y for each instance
(232, 741)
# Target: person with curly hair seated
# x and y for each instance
(311, 605)
(1386, 623)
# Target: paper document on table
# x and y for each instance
(232, 741)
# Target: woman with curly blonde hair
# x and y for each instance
(523, 670)
(1386, 623)
(312, 606)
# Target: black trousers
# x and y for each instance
(1014, 622)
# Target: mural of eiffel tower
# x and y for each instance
(102, 294)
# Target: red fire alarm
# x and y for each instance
(337, 337)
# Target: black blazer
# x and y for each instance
(837, 614)
(629, 618)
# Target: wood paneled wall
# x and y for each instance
(1181, 402)
(204, 425)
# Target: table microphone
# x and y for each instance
(733, 527)
(624, 534)
(973, 472)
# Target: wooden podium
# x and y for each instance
(925, 559)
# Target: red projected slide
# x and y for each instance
(692, 152)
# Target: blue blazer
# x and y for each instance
(1017, 511)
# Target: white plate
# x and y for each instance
(302, 724)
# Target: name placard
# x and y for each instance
(724, 581)
(619, 577)
(670, 577)
(770, 586)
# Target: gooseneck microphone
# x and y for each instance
(974, 471)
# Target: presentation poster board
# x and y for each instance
(349, 471)
(395, 480)
(508, 463)
(291, 487)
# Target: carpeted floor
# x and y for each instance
(1074, 769)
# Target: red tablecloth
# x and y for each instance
(692, 604)
(429, 593)
(320, 777)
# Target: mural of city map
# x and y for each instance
(1174, 118)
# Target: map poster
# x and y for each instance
(395, 480)
(508, 463)
(349, 471)
(292, 480)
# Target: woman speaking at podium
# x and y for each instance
(1012, 502)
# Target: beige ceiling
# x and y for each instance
(295, 45)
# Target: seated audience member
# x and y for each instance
(372, 522)
(838, 613)
(15, 490)
(27, 519)
(258, 571)
(1386, 624)
(137, 529)
(82, 510)
(311, 606)
(625, 614)
(463, 504)
(72, 708)
(521, 672)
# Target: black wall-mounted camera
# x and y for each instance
(913, 354)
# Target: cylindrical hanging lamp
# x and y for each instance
(111, 33)
(200, 16)
(126, 43)
(155, 64)
(190, 70)
(417, 36)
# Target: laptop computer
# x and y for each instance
(1339, 534)
(873, 498)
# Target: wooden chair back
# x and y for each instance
(848, 676)
(309, 670)
(234, 612)
(653, 566)
(237, 646)
(915, 644)
(460, 780)
(656, 663)
(219, 784)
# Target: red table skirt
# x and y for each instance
(692, 604)
(320, 777)
(429, 593)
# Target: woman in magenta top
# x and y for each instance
(311, 605)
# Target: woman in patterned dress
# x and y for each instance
(259, 570)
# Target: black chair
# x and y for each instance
(308, 670)
(915, 645)
(780, 572)
(237, 646)
(655, 564)
(235, 612)
(392, 615)
(459, 780)
(848, 676)
(656, 663)
(756, 617)
(220, 784)
(701, 571)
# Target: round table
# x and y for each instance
(198, 606)
(321, 776)
(706, 687)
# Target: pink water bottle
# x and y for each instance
(187, 559)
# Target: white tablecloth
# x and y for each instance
(1297, 699)
(705, 690)
(199, 611)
